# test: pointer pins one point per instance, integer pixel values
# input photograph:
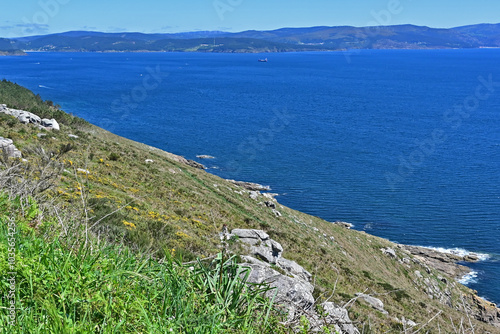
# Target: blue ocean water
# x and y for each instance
(404, 144)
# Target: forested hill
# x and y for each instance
(281, 40)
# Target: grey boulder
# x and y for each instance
(7, 146)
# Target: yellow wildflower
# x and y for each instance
(129, 225)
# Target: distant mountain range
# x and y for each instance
(281, 40)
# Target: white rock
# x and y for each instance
(254, 194)
(50, 124)
(389, 251)
(252, 234)
(374, 302)
(7, 146)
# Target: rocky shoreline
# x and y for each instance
(446, 263)
(264, 257)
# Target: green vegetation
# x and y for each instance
(63, 285)
(18, 97)
(119, 44)
(103, 236)
(280, 40)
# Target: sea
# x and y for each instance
(404, 144)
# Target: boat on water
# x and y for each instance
(263, 60)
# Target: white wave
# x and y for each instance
(460, 252)
(469, 278)
(42, 86)
(368, 226)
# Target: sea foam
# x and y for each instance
(469, 278)
(460, 252)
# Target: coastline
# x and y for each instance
(425, 277)
(451, 262)
(250, 51)
(447, 261)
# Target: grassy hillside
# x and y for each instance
(105, 194)
(62, 285)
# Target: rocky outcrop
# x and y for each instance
(334, 315)
(483, 310)
(440, 288)
(373, 302)
(254, 194)
(260, 244)
(443, 262)
(293, 293)
(292, 285)
(269, 200)
(7, 146)
(344, 224)
(27, 117)
(194, 164)
(251, 186)
(390, 252)
(50, 124)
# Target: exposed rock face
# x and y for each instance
(251, 186)
(337, 316)
(260, 244)
(194, 164)
(270, 204)
(444, 262)
(26, 117)
(288, 289)
(254, 194)
(390, 252)
(373, 302)
(471, 304)
(7, 146)
(344, 224)
(50, 124)
(294, 269)
(485, 311)
(293, 288)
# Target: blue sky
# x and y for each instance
(29, 17)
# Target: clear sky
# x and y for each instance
(30, 17)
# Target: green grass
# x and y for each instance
(141, 211)
(65, 286)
